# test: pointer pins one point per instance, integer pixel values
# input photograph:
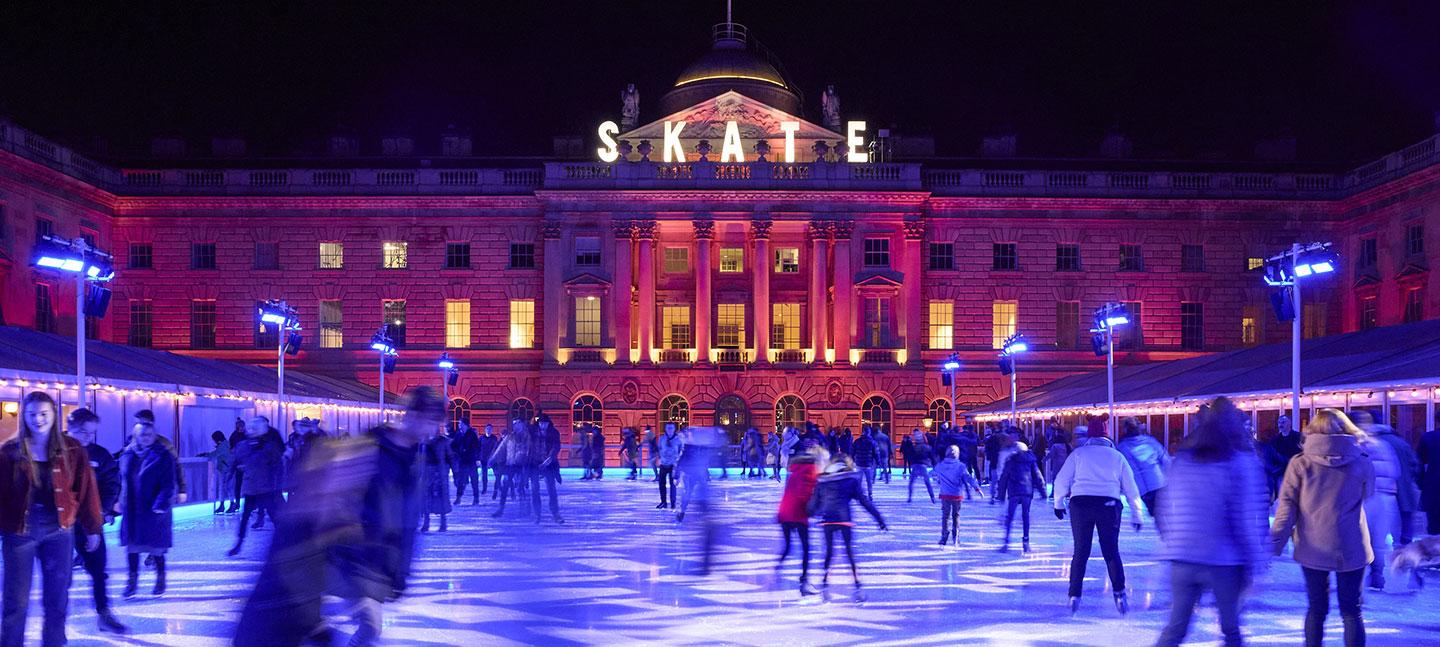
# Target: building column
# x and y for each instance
(704, 234)
(762, 264)
(914, 307)
(819, 234)
(620, 295)
(554, 304)
(645, 231)
(844, 287)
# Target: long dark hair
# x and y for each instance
(54, 446)
(1220, 434)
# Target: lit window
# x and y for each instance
(1254, 263)
(787, 260)
(677, 260)
(1414, 305)
(1004, 257)
(587, 321)
(877, 322)
(393, 313)
(942, 256)
(457, 256)
(732, 260)
(785, 326)
(730, 328)
(457, 323)
(332, 256)
(1368, 313)
(942, 325)
(1131, 259)
(938, 411)
(875, 412)
(522, 256)
(1003, 319)
(877, 252)
(675, 327)
(789, 412)
(675, 409)
(202, 323)
(332, 330)
(1250, 326)
(202, 256)
(1067, 325)
(397, 255)
(1192, 258)
(1067, 258)
(1192, 326)
(522, 323)
(587, 251)
(141, 323)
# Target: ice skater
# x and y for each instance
(1092, 482)
(794, 516)
(1020, 482)
(921, 459)
(956, 483)
(836, 488)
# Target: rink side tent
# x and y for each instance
(1392, 371)
(191, 397)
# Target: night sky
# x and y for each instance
(1193, 79)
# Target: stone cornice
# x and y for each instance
(158, 205)
(939, 205)
(61, 185)
(915, 198)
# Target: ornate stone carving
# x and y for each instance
(704, 229)
(550, 230)
(914, 229)
(843, 229)
(819, 230)
(760, 228)
(644, 150)
(704, 148)
(624, 229)
(645, 229)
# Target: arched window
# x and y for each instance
(939, 411)
(459, 412)
(674, 409)
(790, 412)
(522, 409)
(732, 414)
(587, 409)
(876, 412)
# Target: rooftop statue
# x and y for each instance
(629, 107)
(830, 108)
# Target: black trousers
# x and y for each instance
(551, 476)
(261, 503)
(802, 530)
(1090, 515)
(667, 475)
(467, 474)
(1347, 589)
(1023, 502)
(94, 565)
(847, 534)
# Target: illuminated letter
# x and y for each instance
(672, 142)
(854, 140)
(731, 147)
(608, 152)
(789, 127)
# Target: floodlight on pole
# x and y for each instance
(1285, 270)
(385, 346)
(1014, 345)
(1108, 317)
(278, 313)
(949, 369)
(449, 375)
(87, 264)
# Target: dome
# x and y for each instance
(731, 64)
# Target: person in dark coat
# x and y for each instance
(1283, 446)
(147, 477)
(181, 489)
(1429, 454)
(82, 426)
(866, 455)
(922, 458)
(224, 470)
(597, 454)
(836, 488)
(466, 448)
(587, 450)
(438, 458)
(236, 437)
(545, 457)
(486, 452)
(258, 458)
(907, 454)
(1020, 482)
(630, 453)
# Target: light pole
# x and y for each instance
(382, 343)
(1014, 345)
(950, 368)
(287, 325)
(1285, 270)
(87, 264)
(1107, 318)
(448, 376)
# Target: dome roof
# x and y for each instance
(732, 64)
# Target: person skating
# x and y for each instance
(1283, 446)
(1055, 457)
(224, 470)
(465, 447)
(886, 449)
(907, 454)
(237, 436)
(836, 488)
(48, 488)
(1213, 539)
(794, 515)
(668, 448)
(921, 459)
(866, 455)
(545, 459)
(652, 451)
(587, 451)
(258, 459)
(82, 425)
(437, 459)
(956, 483)
(147, 477)
(789, 445)
(512, 461)
(1321, 503)
(1092, 482)
(597, 454)
(772, 454)
(486, 452)
(1148, 460)
(630, 453)
(1020, 482)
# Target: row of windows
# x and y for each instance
(395, 255)
(730, 411)
(1413, 308)
(1369, 253)
(1004, 317)
(1005, 257)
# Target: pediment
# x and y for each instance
(881, 279)
(755, 120)
(586, 284)
(1365, 280)
(1412, 271)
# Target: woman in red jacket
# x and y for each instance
(794, 517)
(46, 487)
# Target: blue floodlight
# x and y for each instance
(951, 365)
(445, 362)
(1014, 345)
(1288, 267)
(278, 313)
(1110, 315)
(381, 341)
(72, 256)
(1118, 320)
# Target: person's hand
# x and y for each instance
(182, 497)
(1060, 513)
(92, 543)
(120, 508)
(109, 519)
(1137, 525)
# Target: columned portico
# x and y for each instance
(819, 233)
(844, 287)
(704, 234)
(620, 301)
(554, 274)
(760, 235)
(914, 234)
(645, 231)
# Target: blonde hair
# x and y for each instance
(1332, 422)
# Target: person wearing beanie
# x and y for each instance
(1092, 482)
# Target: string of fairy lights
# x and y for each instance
(178, 395)
(1417, 394)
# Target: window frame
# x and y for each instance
(334, 260)
(134, 256)
(1131, 258)
(1063, 314)
(876, 252)
(784, 265)
(524, 253)
(780, 326)
(999, 330)
(735, 265)
(395, 255)
(1192, 326)
(588, 322)
(457, 255)
(941, 333)
(332, 332)
(1067, 257)
(522, 323)
(273, 261)
(669, 329)
(736, 315)
(397, 331)
(1192, 258)
(940, 250)
(457, 333)
(586, 257)
(675, 259)
(199, 324)
(1004, 257)
(204, 256)
(142, 318)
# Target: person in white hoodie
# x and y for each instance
(1093, 481)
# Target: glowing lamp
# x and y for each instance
(445, 362)
(951, 366)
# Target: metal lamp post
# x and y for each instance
(1107, 318)
(382, 343)
(279, 314)
(1014, 345)
(1286, 270)
(87, 264)
(951, 367)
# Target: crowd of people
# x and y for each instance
(1343, 491)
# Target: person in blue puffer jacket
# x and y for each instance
(1148, 461)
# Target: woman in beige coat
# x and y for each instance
(1322, 502)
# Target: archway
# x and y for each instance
(732, 414)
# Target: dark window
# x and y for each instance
(89, 238)
(1004, 257)
(522, 256)
(202, 256)
(1415, 239)
(44, 311)
(457, 256)
(1192, 258)
(43, 227)
(267, 256)
(1192, 326)
(142, 256)
(877, 252)
(522, 409)
(1414, 305)
(1367, 313)
(1067, 258)
(1131, 259)
(266, 335)
(942, 256)
(1369, 254)
(394, 316)
(1067, 325)
(142, 332)
(587, 251)
(1132, 334)
(202, 323)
